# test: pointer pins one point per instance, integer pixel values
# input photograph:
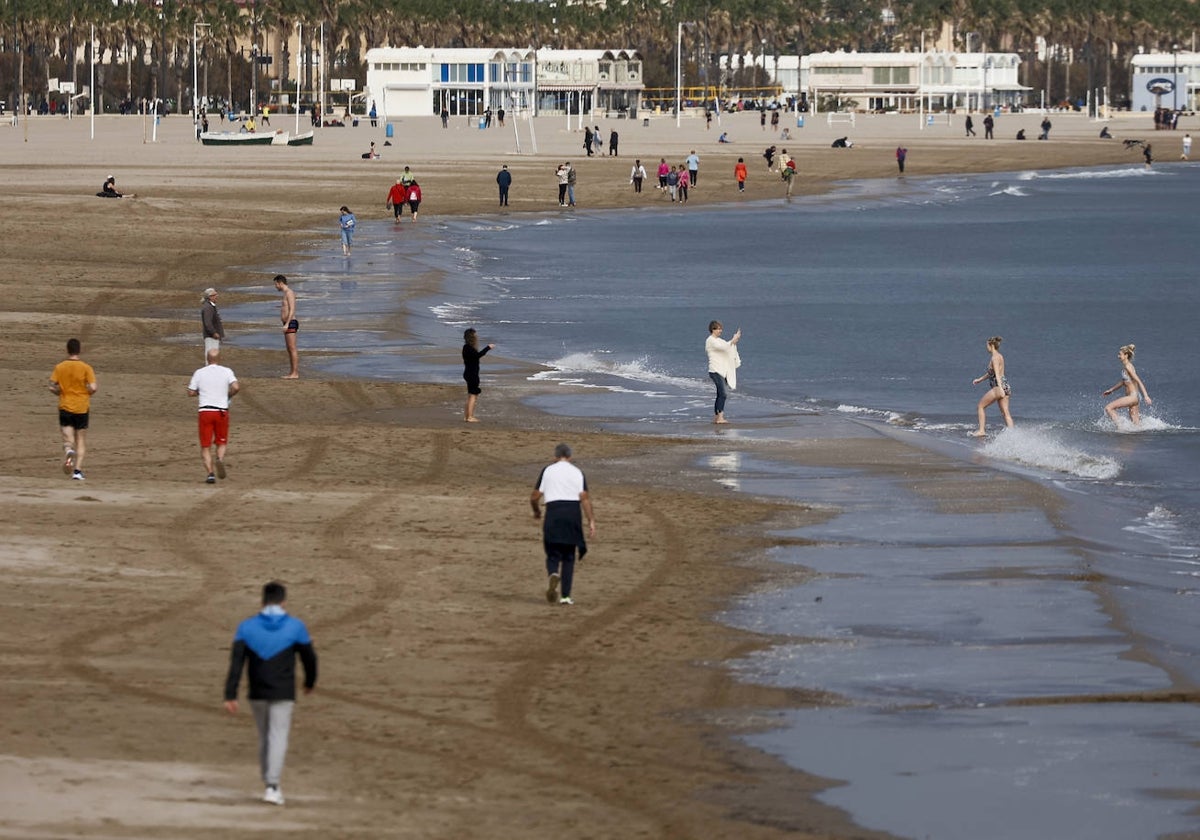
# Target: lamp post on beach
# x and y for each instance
(679, 70)
(195, 76)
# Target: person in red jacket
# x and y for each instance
(414, 198)
(397, 195)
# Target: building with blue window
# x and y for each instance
(417, 81)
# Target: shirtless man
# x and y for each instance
(287, 317)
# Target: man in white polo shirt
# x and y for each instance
(564, 489)
(214, 385)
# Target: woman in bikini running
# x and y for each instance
(998, 388)
(1135, 389)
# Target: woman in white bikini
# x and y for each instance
(1135, 389)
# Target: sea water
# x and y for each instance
(872, 305)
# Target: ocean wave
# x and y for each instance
(1009, 190)
(1130, 171)
(576, 367)
(894, 417)
(1150, 423)
(454, 313)
(1037, 447)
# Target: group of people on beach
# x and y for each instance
(724, 360)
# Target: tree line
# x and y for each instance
(1066, 46)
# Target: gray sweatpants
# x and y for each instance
(274, 720)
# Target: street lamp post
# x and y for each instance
(195, 76)
(1175, 78)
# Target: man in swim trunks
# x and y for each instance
(214, 384)
(74, 381)
(287, 317)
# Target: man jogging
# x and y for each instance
(74, 381)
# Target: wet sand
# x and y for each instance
(453, 701)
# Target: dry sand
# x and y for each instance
(453, 701)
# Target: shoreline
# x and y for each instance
(473, 695)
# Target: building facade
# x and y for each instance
(1164, 80)
(904, 81)
(417, 81)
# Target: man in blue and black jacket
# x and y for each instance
(268, 644)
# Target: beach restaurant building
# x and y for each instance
(417, 81)
(901, 81)
(1165, 80)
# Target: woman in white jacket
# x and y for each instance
(723, 362)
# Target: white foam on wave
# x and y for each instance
(454, 313)
(1165, 525)
(576, 367)
(1131, 171)
(1009, 190)
(1039, 448)
(1150, 423)
(873, 413)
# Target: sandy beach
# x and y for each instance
(453, 701)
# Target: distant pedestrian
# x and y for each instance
(407, 178)
(210, 321)
(775, 120)
(664, 169)
(970, 126)
(74, 382)
(707, 118)
(587, 141)
(1146, 153)
(414, 199)
(684, 182)
(374, 115)
(739, 172)
(1187, 147)
(998, 390)
(563, 488)
(445, 115)
(504, 181)
(901, 154)
(266, 646)
(613, 140)
(637, 175)
(693, 167)
(673, 183)
(762, 118)
(571, 179)
(500, 117)
(396, 198)
(471, 354)
(769, 157)
(1135, 389)
(346, 223)
(215, 385)
(1046, 125)
(988, 125)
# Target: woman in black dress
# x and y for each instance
(471, 355)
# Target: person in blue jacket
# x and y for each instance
(267, 645)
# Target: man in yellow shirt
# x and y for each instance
(74, 381)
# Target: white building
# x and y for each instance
(905, 81)
(417, 81)
(1165, 80)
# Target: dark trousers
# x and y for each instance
(560, 560)
(504, 196)
(719, 381)
(694, 176)
(562, 193)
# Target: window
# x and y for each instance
(837, 71)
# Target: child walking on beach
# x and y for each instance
(346, 222)
(739, 172)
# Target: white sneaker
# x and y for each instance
(552, 589)
(566, 601)
(273, 796)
